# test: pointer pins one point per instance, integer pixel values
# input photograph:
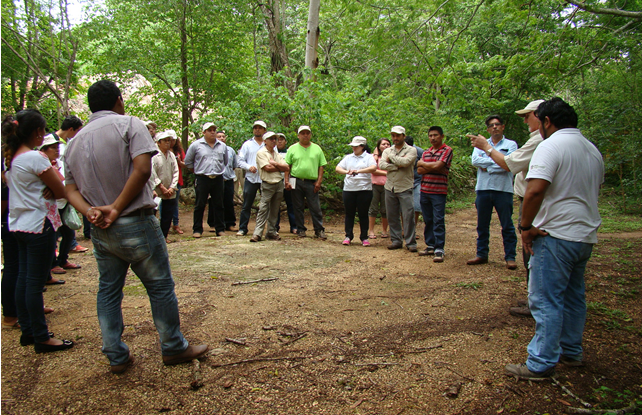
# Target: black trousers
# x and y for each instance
(204, 187)
(357, 202)
(167, 210)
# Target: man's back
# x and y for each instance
(99, 159)
(575, 169)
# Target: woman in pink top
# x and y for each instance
(33, 219)
(378, 204)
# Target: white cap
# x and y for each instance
(532, 106)
(397, 129)
(165, 134)
(208, 125)
(260, 124)
(49, 140)
(268, 135)
(358, 141)
(304, 128)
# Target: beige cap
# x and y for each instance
(260, 124)
(269, 134)
(304, 128)
(208, 125)
(397, 129)
(358, 141)
(532, 106)
(49, 140)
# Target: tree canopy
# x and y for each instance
(380, 63)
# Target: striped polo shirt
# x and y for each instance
(436, 183)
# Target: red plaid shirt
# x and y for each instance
(436, 183)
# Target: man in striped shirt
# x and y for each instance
(434, 166)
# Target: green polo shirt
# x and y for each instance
(305, 162)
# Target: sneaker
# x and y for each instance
(78, 249)
(346, 241)
(521, 371)
(301, 234)
(320, 235)
(428, 251)
(197, 235)
(569, 361)
(365, 243)
(274, 237)
(241, 233)
(520, 312)
(439, 257)
(412, 248)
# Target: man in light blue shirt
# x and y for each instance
(228, 177)
(207, 158)
(494, 189)
(247, 161)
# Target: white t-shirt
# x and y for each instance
(27, 207)
(362, 181)
(575, 170)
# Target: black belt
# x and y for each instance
(306, 180)
(139, 212)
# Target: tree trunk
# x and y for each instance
(312, 42)
(184, 80)
(278, 52)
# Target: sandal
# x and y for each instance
(14, 325)
(372, 236)
(384, 235)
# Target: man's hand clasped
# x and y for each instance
(529, 236)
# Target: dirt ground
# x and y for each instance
(341, 330)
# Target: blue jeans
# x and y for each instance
(36, 253)
(557, 302)
(503, 204)
(433, 209)
(249, 194)
(136, 241)
(178, 200)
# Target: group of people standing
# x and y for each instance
(113, 167)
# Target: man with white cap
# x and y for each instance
(207, 158)
(306, 161)
(247, 161)
(165, 178)
(399, 160)
(517, 162)
(270, 164)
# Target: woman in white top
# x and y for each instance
(357, 187)
(33, 218)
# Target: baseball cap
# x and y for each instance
(269, 134)
(532, 106)
(165, 134)
(358, 141)
(208, 125)
(397, 129)
(304, 128)
(259, 123)
(49, 140)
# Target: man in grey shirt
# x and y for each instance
(107, 167)
(207, 158)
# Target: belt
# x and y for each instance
(305, 180)
(209, 176)
(139, 212)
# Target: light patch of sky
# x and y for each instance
(81, 11)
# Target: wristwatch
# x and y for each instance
(524, 228)
(490, 150)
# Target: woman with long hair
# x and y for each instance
(378, 204)
(33, 219)
(357, 188)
